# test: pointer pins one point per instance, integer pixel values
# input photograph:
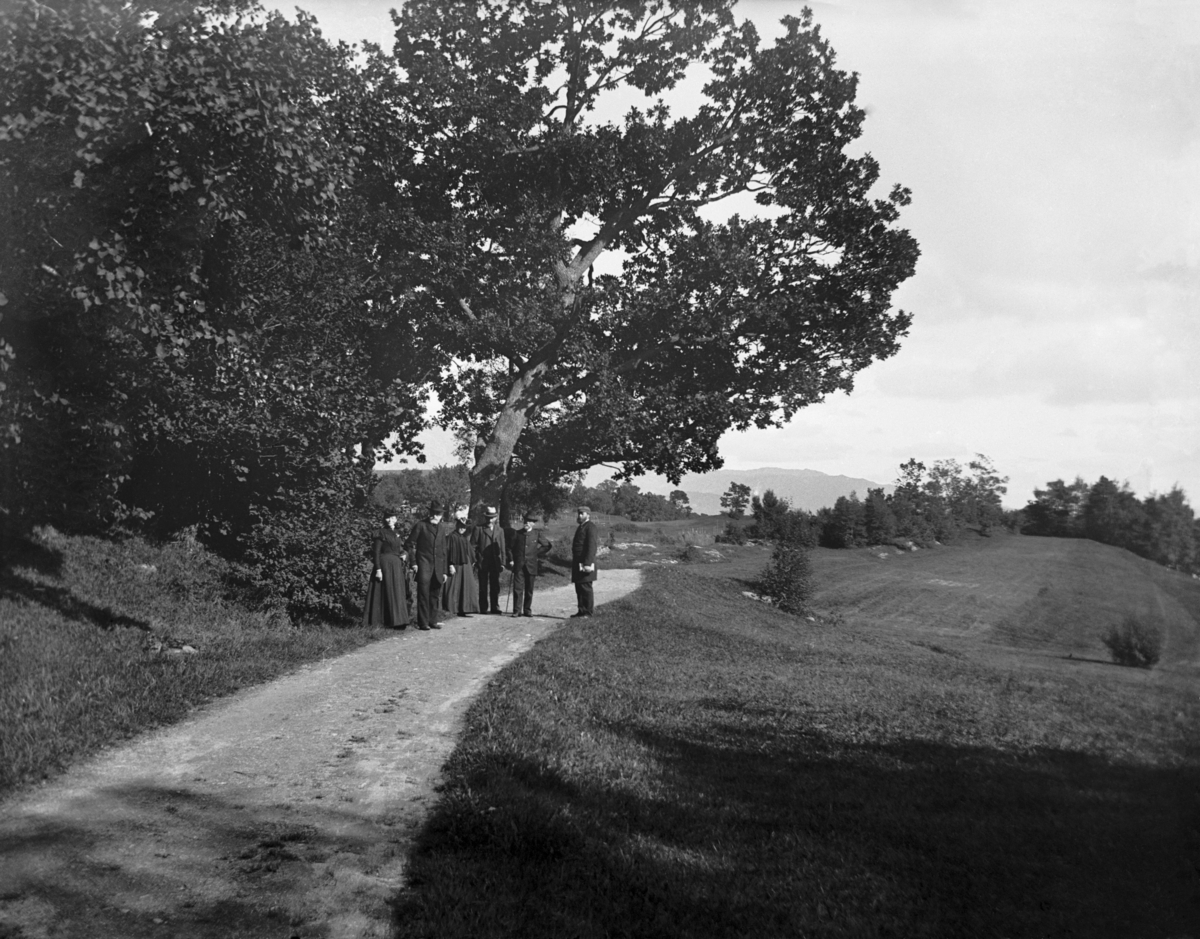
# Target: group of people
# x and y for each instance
(436, 568)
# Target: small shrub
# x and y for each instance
(733, 534)
(1134, 643)
(787, 578)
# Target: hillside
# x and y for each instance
(1051, 596)
(803, 488)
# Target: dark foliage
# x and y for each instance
(735, 499)
(192, 328)
(776, 520)
(787, 578)
(1135, 642)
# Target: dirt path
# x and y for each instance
(286, 810)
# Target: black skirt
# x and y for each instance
(387, 599)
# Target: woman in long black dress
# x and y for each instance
(460, 596)
(387, 595)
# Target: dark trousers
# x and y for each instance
(523, 584)
(429, 596)
(585, 597)
(489, 590)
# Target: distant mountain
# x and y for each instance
(803, 488)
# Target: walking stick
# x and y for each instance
(508, 596)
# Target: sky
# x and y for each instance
(1053, 151)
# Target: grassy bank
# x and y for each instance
(91, 633)
(693, 763)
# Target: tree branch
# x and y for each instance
(627, 365)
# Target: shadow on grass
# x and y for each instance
(63, 601)
(22, 550)
(148, 860)
(48, 562)
(1071, 657)
(769, 834)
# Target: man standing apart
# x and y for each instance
(525, 548)
(489, 548)
(583, 561)
(426, 544)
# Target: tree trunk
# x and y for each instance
(489, 475)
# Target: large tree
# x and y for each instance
(522, 188)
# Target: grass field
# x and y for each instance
(90, 633)
(949, 753)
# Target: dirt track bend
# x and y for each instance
(285, 810)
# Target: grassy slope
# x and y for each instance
(693, 763)
(79, 619)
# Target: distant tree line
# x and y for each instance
(451, 485)
(416, 488)
(929, 505)
(1162, 528)
(612, 497)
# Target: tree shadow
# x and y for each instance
(152, 860)
(47, 562)
(1072, 657)
(23, 551)
(796, 834)
(64, 602)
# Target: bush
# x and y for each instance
(787, 579)
(1134, 643)
(733, 534)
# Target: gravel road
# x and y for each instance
(285, 810)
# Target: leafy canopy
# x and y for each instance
(521, 186)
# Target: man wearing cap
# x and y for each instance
(489, 548)
(583, 561)
(526, 547)
(426, 545)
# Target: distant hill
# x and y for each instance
(803, 488)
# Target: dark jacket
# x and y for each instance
(461, 548)
(427, 545)
(524, 552)
(583, 551)
(489, 547)
(384, 541)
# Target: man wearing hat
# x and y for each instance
(583, 561)
(489, 548)
(525, 548)
(426, 545)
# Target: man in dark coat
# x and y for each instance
(426, 545)
(489, 548)
(583, 561)
(526, 547)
